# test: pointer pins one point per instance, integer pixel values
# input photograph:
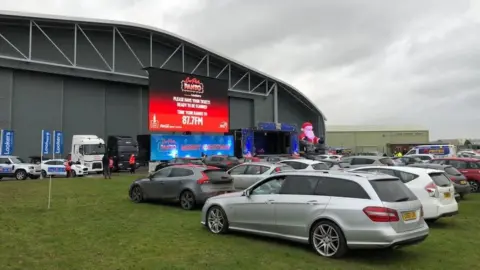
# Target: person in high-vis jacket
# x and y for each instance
(132, 163)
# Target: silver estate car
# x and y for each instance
(330, 210)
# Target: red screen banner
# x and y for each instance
(185, 102)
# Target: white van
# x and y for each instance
(438, 150)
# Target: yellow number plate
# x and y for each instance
(463, 182)
(447, 195)
(409, 216)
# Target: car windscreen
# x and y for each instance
(452, 171)
(93, 149)
(440, 179)
(328, 163)
(319, 166)
(127, 149)
(392, 190)
(387, 161)
(16, 160)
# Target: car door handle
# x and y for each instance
(269, 201)
(313, 202)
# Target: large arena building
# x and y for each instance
(85, 76)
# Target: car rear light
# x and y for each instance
(381, 214)
(228, 163)
(431, 189)
(203, 180)
(277, 169)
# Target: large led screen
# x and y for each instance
(185, 102)
(166, 147)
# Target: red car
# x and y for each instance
(470, 167)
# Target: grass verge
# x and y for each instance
(93, 225)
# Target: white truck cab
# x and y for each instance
(12, 166)
(89, 151)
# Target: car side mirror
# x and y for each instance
(8, 162)
(246, 193)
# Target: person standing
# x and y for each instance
(132, 164)
(110, 167)
(106, 169)
(68, 168)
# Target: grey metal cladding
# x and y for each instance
(85, 77)
(135, 45)
(34, 110)
(241, 112)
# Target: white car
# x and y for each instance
(432, 187)
(56, 167)
(53, 167)
(79, 170)
(12, 166)
(424, 157)
(305, 164)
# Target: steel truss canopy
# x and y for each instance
(109, 42)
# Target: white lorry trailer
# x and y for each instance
(89, 151)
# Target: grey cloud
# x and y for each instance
(360, 61)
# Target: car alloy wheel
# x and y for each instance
(328, 240)
(473, 186)
(217, 221)
(21, 175)
(187, 200)
(136, 194)
(44, 174)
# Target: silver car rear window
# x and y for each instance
(320, 166)
(392, 190)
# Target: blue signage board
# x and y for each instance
(57, 142)
(56, 169)
(270, 126)
(166, 147)
(7, 142)
(46, 142)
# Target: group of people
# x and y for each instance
(108, 165)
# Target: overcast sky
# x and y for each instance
(361, 62)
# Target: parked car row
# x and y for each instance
(333, 211)
(15, 167)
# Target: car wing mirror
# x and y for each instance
(8, 162)
(246, 193)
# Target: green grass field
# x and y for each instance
(93, 225)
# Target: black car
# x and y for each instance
(462, 187)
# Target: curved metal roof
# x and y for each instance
(160, 31)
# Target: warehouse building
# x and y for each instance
(370, 139)
(84, 76)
